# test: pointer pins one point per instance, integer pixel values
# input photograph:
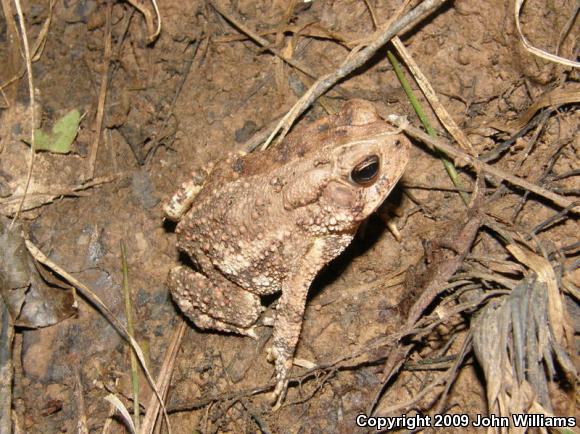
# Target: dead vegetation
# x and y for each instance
(467, 305)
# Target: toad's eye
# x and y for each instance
(365, 172)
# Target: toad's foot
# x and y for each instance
(282, 367)
(216, 306)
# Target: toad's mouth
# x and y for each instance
(374, 196)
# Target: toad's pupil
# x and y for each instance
(365, 172)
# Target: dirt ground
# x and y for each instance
(202, 89)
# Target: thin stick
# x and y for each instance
(566, 29)
(46, 197)
(102, 95)
(262, 42)
(481, 166)
(164, 377)
(425, 391)
(42, 37)
(449, 167)
(431, 96)
(372, 14)
(352, 62)
(131, 331)
(153, 31)
(32, 103)
(82, 424)
(151, 152)
(529, 47)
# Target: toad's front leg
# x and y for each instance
(290, 308)
(181, 201)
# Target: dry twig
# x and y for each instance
(444, 271)
(481, 166)
(262, 42)
(352, 62)
(32, 108)
(41, 198)
(164, 377)
(82, 423)
(152, 29)
(102, 94)
(540, 53)
(552, 98)
(431, 96)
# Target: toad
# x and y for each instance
(267, 222)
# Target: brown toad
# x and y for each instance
(269, 221)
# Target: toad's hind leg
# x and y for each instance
(223, 306)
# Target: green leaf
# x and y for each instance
(63, 133)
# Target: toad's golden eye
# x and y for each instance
(365, 172)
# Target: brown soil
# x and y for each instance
(200, 90)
